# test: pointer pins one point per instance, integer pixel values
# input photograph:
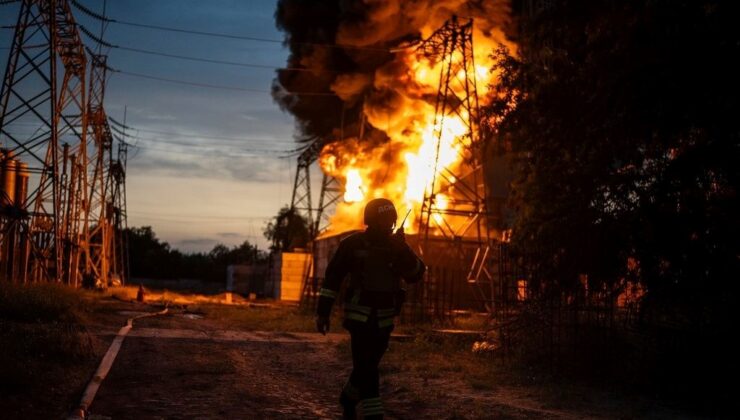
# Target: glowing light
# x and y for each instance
(403, 168)
(441, 202)
(353, 187)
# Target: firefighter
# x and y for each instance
(376, 261)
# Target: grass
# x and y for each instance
(272, 317)
(39, 303)
(264, 315)
(434, 356)
(47, 354)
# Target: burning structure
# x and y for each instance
(388, 102)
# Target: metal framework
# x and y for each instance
(301, 199)
(330, 193)
(56, 213)
(44, 87)
(317, 217)
(100, 217)
(119, 257)
(454, 209)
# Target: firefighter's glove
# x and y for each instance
(322, 324)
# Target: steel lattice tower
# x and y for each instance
(329, 195)
(317, 217)
(44, 87)
(301, 198)
(463, 221)
(119, 258)
(101, 217)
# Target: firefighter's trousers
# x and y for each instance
(369, 343)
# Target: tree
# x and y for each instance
(149, 256)
(153, 258)
(623, 119)
(287, 230)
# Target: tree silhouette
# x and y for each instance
(287, 230)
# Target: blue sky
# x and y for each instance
(206, 168)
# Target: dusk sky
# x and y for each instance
(206, 168)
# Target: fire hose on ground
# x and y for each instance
(105, 365)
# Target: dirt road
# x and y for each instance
(175, 367)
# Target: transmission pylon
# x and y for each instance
(119, 264)
(44, 88)
(454, 210)
(101, 218)
(331, 192)
(301, 198)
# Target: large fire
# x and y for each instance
(403, 168)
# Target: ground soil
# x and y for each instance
(182, 366)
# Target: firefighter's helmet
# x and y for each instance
(380, 211)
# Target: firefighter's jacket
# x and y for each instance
(375, 264)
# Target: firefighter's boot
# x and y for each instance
(349, 411)
(348, 400)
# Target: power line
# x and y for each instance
(248, 153)
(201, 216)
(98, 16)
(211, 86)
(199, 221)
(191, 58)
(214, 61)
(114, 121)
(209, 148)
(209, 144)
(196, 136)
(211, 137)
(186, 82)
(205, 146)
(233, 140)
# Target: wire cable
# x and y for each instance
(232, 140)
(214, 61)
(212, 86)
(98, 16)
(253, 153)
(100, 41)
(198, 216)
(209, 145)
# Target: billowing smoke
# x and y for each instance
(359, 85)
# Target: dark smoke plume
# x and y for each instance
(345, 48)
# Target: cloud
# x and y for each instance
(230, 235)
(211, 163)
(195, 244)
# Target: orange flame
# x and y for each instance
(403, 169)
(353, 187)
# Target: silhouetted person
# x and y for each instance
(376, 260)
(140, 293)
